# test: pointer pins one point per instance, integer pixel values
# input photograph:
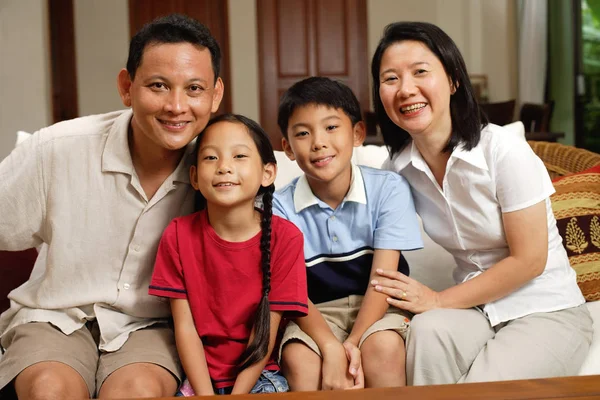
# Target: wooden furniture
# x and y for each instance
(573, 388)
(561, 160)
(544, 136)
(499, 113)
(536, 117)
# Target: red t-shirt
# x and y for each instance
(223, 283)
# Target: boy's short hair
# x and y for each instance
(319, 91)
(173, 28)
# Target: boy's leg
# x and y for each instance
(383, 352)
(45, 363)
(300, 360)
(146, 366)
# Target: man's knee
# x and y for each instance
(50, 380)
(139, 380)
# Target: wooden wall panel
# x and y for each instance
(302, 38)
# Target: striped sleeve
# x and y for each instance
(288, 275)
(167, 278)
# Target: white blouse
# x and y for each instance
(501, 174)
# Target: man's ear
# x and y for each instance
(269, 174)
(194, 177)
(124, 87)
(217, 95)
(287, 149)
(360, 133)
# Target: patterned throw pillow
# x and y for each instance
(576, 206)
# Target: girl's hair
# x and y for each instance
(467, 119)
(259, 347)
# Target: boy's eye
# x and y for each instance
(299, 134)
(210, 158)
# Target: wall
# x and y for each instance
(24, 73)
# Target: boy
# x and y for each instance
(354, 220)
(96, 193)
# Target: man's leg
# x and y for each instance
(443, 343)
(540, 345)
(146, 366)
(47, 363)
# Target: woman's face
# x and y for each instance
(415, 89)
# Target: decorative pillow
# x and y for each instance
(576, 206)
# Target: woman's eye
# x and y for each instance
(389, 78)
(420, 71)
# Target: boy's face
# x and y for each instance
(172, 95)
(321, 140)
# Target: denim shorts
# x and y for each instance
(268, 382)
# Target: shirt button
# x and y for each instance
(332, 218)
(335, 238)
(136, 247)
(126, 286)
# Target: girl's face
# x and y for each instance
(415, 89)
(229, 170)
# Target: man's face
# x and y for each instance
(172, 95)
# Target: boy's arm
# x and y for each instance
(246, 379)
(336, 373)
(374, 304)
(190, 349)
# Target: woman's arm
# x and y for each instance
(341, 367)
(374, 304)
(190, 349)
(246, 379)
(526, 233)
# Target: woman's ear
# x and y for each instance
(269, 174)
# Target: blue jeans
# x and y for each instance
(268, 382)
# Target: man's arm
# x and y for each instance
(190, 348)
(374, 304)
(246, 379)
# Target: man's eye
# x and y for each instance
(196, 88)
(157, 85)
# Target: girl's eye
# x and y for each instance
(241, 156)
(331, 127)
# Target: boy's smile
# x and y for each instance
(321, 140)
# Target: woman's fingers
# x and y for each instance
(395, 275)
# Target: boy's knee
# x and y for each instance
(382, 345)
(295, 355)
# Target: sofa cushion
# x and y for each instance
(576, 206)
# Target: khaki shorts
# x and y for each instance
(340, 315)
(36, 342)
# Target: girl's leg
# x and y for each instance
(301, 367)
(540, 345)
(442, 344)
(383, 359)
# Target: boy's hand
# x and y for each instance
(355, 365)
(335, 373)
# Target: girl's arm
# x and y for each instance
(527, 236)
(374, 304)
(336, 374)
(190, 349)
(246, 379)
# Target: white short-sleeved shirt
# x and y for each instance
(73, 189)
(501, 174)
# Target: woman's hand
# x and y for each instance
(406, 293)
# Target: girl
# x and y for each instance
(231, 271)
(516, 311)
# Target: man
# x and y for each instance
(96, 193)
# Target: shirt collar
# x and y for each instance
(116, 156)
(410, 154)
(304, 197)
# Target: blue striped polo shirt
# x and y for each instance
(377, 213)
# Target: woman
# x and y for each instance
(516, 311)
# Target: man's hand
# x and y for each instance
(355, 365)
(335, 370)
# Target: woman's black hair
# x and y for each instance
(467, 119)
(259, 347)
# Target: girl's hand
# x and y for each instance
(406, 293)
(355, 368)
(335, 373)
